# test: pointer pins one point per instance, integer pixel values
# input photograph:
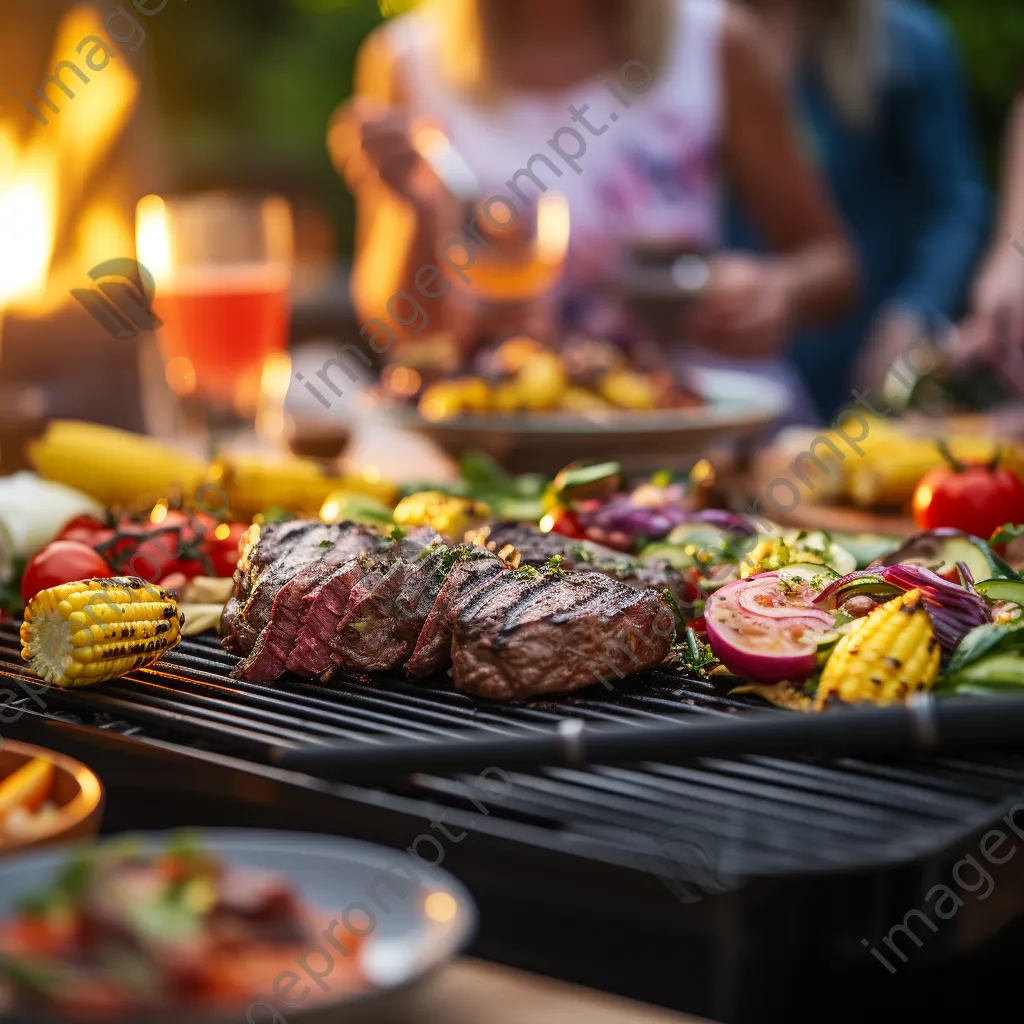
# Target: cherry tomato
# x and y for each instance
(221, 546)
(62, 561)
(566, 523)
(86, 530)
(975, 498)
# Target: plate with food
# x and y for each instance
(221, 926)
(45, 798)
(534, 409)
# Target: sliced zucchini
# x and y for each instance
(866, 547)
(675, 554)
(940, 550)
(701, 536)
(822, 545)
(1002, 590)
(808, 571)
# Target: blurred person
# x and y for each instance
(504, 78)
(879, 91)
(993, 330)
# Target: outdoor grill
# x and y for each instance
(577, 871)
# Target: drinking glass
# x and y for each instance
(513, 262)
(221, 268)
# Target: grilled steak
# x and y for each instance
(474, 568)
(536, 548)
(387, 609)
(269, 654)
(528, 634)
(271, 555)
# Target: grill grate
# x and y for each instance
(768, 815)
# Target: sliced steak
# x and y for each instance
(474, 568)
(387, 609)
(557, 633)
(270, 557)
(323, 606)
(277, 639)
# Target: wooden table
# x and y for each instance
(475, 992)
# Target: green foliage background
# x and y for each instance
(250, 84)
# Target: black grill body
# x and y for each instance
(739, 890)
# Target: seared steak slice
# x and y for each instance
(324, 605)
(475, 568)
(322, 609)
(277, 639)
(557, 633)
(387, 609)
(270, 557)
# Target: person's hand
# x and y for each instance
(369, 138)
(897, 336)
(746, 309)
(993, 331)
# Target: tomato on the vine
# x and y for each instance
(976, 498)
(86, 529)
(61, 561)
(221, 546)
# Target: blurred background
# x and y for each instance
(230, 96)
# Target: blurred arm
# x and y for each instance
(778, 188)
(395, 235)
(1011, 207)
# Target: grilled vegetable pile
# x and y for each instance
(941, 611)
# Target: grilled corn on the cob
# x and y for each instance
(887, 655)
(85, 632)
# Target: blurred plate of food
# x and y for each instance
(45, 798)
(864, 475)
(221, 926)
(535, 410)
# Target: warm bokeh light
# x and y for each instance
(547, 524)
(223, 531)
(180, 375)
(371, 474)
(159, 514)
(440, 907)
(152, 244)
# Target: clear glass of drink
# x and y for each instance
(221, 269)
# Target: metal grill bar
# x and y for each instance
(769, 815)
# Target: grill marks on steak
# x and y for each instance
(562, 633)
(277, 554)
(387, 610)
(270, 653)
(537, 548)
(474, 568)
(366, 603)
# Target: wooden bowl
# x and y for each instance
(76, 791)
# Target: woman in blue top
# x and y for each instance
(878, 86)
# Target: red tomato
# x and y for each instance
(566, 523)
(86, 530)
(221, 544)
(62, 561)
(975, 498)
